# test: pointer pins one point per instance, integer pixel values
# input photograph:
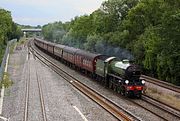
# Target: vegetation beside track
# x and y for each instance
(6, 80)
(22, 41)
(168, 98)
(147, 28)
(8, 30)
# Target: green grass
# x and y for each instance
(12, 48)
(2, 51)
(6, 80)
(22, 41)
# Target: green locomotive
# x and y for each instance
(121, 76)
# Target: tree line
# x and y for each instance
(8, 30)
(146, 31)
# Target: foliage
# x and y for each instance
(5, 26)
(54, 32)
(2, 51)
(154, 28)
(6, 82)
(8, 30)
(92, 43)
(150, 29)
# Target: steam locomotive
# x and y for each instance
(119, 75)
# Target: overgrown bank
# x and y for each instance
(147, 29)
(8, 30)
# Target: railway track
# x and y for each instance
(118, 112)
(41, 98)
(27, 94)
(171, 110)
(155, 103)
(161, 83)
(163, 111)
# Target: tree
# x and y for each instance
(150, 29)
(82, 27)
(8, 30)
(54, 31)
(5, 25)
(92, 40)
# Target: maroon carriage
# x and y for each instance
(86, 60)
(58, 50)
(69, 54)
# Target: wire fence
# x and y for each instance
(3, 63)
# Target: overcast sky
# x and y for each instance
(40, 12)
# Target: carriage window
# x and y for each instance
(85, 62)
(88, 63)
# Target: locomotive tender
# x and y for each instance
(121, 76)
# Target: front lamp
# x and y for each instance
(143, 82)
(127, 82)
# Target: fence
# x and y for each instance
(2, 67)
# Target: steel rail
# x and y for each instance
(163, 106)
(161, 83)
(158, 106)
(41, 98)
(27, 91)
(25, 118)
(40, 91)
(95, 96)
(175, 114)
(149, 110)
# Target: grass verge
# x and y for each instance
(22, 41)
(167, 98)
(6, 81)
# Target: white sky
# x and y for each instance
(40, 12)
